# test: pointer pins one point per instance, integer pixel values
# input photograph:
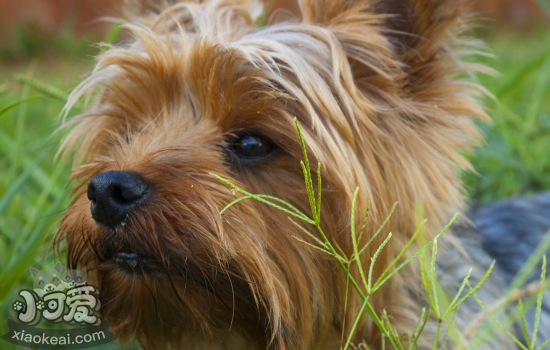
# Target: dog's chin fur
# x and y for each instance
(375, 88)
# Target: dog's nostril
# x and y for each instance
(91, 192)
(127, 193)
(114, 194)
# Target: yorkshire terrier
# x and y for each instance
(386, 103)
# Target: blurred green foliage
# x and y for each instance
(29, 42)
(516, 157)
(34, 187)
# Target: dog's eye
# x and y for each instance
(251, 147)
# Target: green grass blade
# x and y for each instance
(261, 198)
(354, 240)
(379, 228)
(303, 229)
(538, 95)
(232, 203)
(364, 226)
(539, 303)
(17, 103)
(319, 248)
(310, 193)
(521, 75)
(41, 201)
(352, 331)
(39, 175)
(307, 172)
(524, 323)
(434, 278)
(403, 251)
(373, 261)
(426, 282)
(342, 253)
(318, 193)
(477, 286)
(346, 299)
(17, 267)
(392, 331)
(531, 264)
(113, 33)
(449, 328)
(290, 206)
(18, 183)
(46, 89)
(457, 295)
(418, 333)
(496, 322)
(321, 243)
(415, 254)
(544, 344)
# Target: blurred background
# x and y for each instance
(47, 47)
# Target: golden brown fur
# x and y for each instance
(379, 90)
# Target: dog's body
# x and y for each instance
(200, 91)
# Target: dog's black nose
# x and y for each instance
(114, 194)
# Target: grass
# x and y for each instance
(515, 159)
(34, 189)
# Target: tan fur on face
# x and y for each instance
(380, 108)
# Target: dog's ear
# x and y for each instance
(411, 82)
(420, 31)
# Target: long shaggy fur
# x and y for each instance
(379, 89)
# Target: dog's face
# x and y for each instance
(200, 91)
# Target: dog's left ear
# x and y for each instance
(421, 32)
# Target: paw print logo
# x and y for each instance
(40, 305)
(17, 306)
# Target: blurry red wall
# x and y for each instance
(511, 13)
(50, 16)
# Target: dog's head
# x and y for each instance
(202, 90)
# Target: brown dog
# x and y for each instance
(377, 86)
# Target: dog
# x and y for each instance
(381, 91)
